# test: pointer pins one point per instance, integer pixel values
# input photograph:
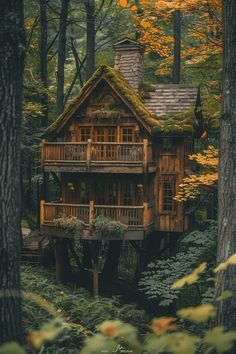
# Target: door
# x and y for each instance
(127, 137)
(106, 151)
(106, 193)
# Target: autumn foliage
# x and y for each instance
(207, 176)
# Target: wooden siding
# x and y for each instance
(170, 164)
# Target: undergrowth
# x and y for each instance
(76, 305)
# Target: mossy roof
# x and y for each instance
(171, 123)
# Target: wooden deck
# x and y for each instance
(139, 219)
(97, 157)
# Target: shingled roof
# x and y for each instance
(164, 99)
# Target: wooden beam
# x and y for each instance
(42, 215)
(95, 279)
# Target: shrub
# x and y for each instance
(106, 227)
(195, 247)
(76, 306)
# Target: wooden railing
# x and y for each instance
(96, 152)
(133, 216)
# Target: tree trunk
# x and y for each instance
(12, 51)
(90, 53)
(177, 46)
(61, 55)
(43, 59)
(227, 169)
(63, 270)
(110, 270)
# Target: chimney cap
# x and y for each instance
(128, 44)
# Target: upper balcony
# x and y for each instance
(106, 157)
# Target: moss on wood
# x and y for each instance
(170, 123)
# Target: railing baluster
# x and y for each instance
(133, 216)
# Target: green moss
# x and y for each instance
(172, 122)
(145, 89)
(176, 123)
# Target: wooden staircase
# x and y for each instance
(29, 256)
(33, 244)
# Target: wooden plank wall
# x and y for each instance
(169, 164)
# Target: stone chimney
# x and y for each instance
(129, 61)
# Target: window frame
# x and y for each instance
(167, 203)
(172, 149)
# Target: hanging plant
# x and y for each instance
(108, 228)
(72, 224)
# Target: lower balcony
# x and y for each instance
(138, 219)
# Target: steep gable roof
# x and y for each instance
(120, 86)
(169, 109)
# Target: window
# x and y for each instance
(168, 192)
(111, 135)
(127, 135)
(84, 193)
(129, 194)
(188, 145)
(106, 193)
(112, 193)
(100, 135)
(103, 134)
(167, 145)
(84, 134)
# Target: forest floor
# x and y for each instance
(77, 306)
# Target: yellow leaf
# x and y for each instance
(225, 295)
(133, 8)
(181, 343)
(230, 261)
(220, 340)
(47, 333)
(200, 313)
(191, 278)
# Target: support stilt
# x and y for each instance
(94, 248)
(63, 271)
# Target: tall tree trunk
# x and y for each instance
(227, 169)
(110, 270)
(43, 58)
(61, 55)
(12, 49)
(177, 46)
(44, 77)
(90, 53)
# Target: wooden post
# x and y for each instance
(94, 249)
(145, 155)
(91, 212)
(42, 213)
(95, 279)
(42, 148)
(63, 271)
(145, 215)
(89, 153)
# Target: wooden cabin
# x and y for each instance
(120, 149)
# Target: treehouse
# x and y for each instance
(120, 150)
